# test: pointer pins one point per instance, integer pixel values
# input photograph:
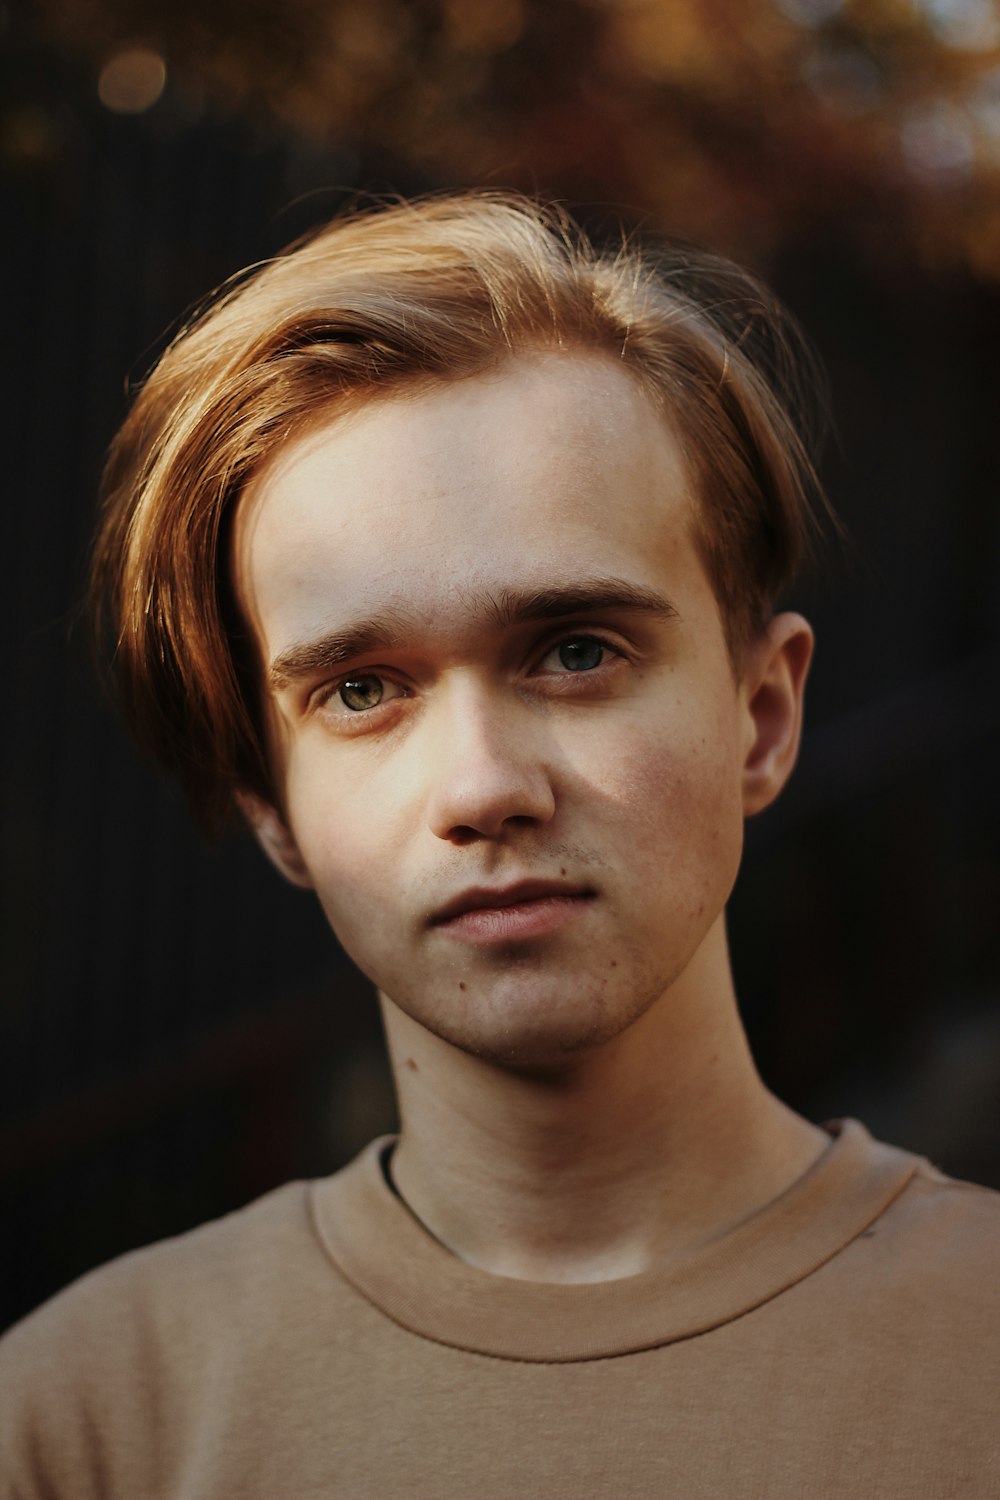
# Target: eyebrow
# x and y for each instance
(394, 628)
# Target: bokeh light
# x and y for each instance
(132, 81)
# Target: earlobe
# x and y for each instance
(275, 838)
(775, 684)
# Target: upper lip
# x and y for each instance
(479, 897)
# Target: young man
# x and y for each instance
(447, 549)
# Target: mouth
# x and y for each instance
(530, 908)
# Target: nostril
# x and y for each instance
(465, 833)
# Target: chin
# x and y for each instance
(535, 1028)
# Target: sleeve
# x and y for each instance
(81, 1404)
(45, 1453)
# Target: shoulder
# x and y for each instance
(945, 1231)
(115, 1351)
(922, 1275)
(193, 1272)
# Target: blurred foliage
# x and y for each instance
(733, 123)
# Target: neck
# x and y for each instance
(605, 1166)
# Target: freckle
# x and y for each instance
(461, 984)
(562, 870)
(412, 1065)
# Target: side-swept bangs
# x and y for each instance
(410, 295)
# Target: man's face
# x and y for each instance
(502, 712)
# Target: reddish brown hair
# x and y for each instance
(416, 294)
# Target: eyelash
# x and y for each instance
(326, 694)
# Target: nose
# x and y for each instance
(489, 773)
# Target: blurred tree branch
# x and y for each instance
(734, 123)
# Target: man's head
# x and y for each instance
(513, 754)
(397, 305)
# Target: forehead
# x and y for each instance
(555, 464)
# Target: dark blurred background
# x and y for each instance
(178, 1030)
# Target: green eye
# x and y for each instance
(359, 693)
(582, 654)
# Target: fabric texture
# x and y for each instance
(321, 1344)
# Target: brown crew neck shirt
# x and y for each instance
(839, 1344)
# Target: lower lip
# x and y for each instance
(516, 923)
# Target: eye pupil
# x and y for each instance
(360, 693)
(582, 654)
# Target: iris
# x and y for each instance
(581, 654)
(359, 693)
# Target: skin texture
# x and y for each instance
(576, 1059)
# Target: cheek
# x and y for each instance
(359, 901)
(339, 833)
(358, 839)
(677, 792)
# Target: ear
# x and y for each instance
(774, 681)
(275, 838)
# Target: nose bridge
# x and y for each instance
(489, 766)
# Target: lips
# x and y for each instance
(487, 899)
